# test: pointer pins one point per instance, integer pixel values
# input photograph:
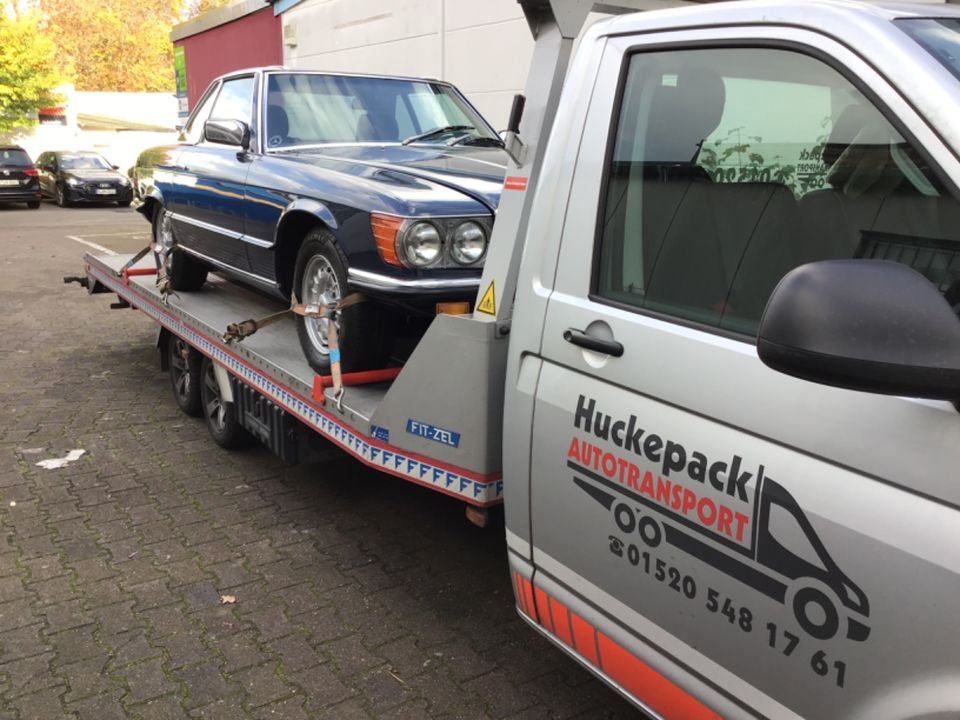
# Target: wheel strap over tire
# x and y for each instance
(244, 329)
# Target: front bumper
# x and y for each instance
(378, 284)
(81, 193)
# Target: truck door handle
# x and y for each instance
(580, 338)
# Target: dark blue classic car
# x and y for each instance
(321, 185)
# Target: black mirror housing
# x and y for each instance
(868, 325)
(227, 132)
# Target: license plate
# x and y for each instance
(106, 192)
(9, 182)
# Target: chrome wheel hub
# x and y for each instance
(319, 284)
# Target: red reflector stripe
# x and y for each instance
(584, 638)
(515, 182)
(613, 660)
(561, 621)
(645, 683)
(528, 597)
(543, 609)
(518, 592)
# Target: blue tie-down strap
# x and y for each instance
(335, 356)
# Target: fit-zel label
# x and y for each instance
(721, 511)
(432, 432)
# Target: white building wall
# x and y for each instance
(483, 47)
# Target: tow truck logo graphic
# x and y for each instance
(815, 587)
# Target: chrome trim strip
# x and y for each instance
(375, 281)
(258, 279)
(233, 235)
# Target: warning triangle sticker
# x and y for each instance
(488, 303)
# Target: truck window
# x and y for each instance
(730, 167)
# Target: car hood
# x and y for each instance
(93, 175)
(476, 172)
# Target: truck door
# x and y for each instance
(703, 527)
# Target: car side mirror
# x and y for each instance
(868, 325)
(114, 167)
(227, 132)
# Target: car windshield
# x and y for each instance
(313, 109)
(938, 36)
(83, 162)
(14, 157)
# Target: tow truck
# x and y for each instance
(712, 369)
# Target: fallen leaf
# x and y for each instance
(227, 599)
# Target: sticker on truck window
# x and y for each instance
(662, 492)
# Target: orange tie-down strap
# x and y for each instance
(611, 658)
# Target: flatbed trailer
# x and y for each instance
(269, 367)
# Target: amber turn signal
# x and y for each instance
(385, 228)
(453, 308)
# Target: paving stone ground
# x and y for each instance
(357, 595)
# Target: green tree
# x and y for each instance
(28, 72)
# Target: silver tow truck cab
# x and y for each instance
(713, 537)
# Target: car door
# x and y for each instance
(208, 207)
(708, 533)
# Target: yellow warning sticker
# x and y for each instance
(488, 303)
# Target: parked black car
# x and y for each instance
(82, 176)
(18, 177)
(321, 185)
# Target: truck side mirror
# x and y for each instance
(227, 132)
(867, 325)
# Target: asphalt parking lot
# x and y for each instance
(158, 576)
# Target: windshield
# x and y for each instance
(14, 158)
(308, 109)
(938, 36)
(83, 162)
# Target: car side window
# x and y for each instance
(732, 166)
(235, 101)
(193, 132)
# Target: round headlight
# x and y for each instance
(421, 245)
(469, 243)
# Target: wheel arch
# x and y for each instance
(297, 220)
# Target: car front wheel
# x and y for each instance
(364, 332)
(62, 199)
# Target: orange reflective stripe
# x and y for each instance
(645, 683)
(561, 621)
(528, 597)
(518, 591)
(584, 637)
(543, 608)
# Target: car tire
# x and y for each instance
(124, 203)
(220, 416)
(33, 204)
(61, 196)
(365, 332)
(185, 363)
(184, 272)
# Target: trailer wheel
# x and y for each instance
(220, 415)
(185, 365)
(184, 272)
(364, 333)
(816, 613)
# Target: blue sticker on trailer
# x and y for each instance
(432, 432)
(380, 433)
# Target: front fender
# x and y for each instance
(304, 205)
(145, 203)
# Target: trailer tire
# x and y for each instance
(364, 333)
(822, 628)
(185, 363)
(220, 416)
(183, 271)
